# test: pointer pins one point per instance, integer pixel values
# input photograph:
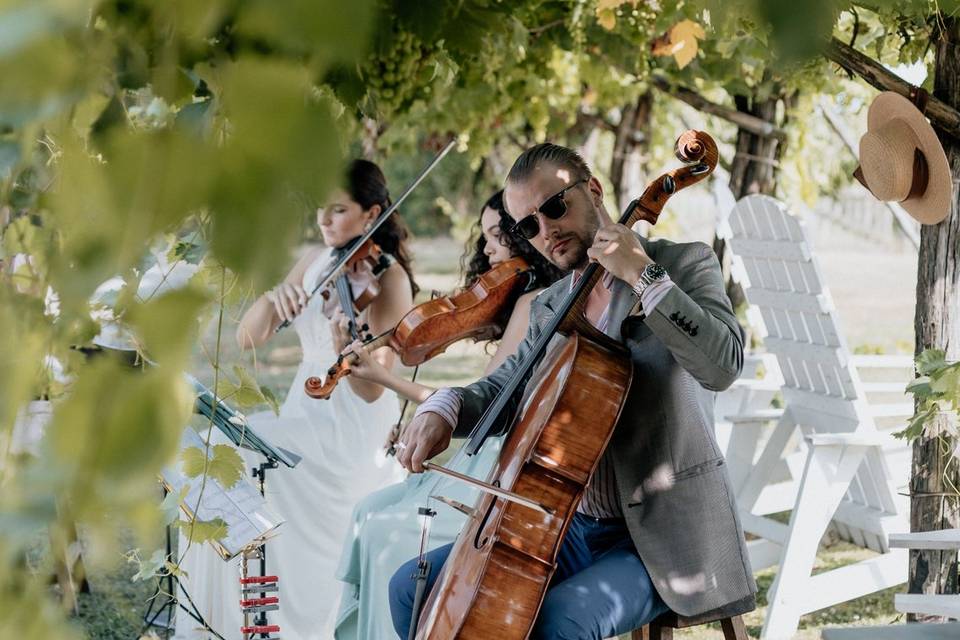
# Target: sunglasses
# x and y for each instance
(553, 208)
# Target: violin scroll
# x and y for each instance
(321, 389)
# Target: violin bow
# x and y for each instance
(333, 269)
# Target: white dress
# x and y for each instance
(340, 441)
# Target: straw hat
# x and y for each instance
(901, 159)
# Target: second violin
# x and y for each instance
(428, 329)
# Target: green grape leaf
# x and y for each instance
(916, 424)
(336, 30)
(282, 142)
(176, 570)
(270, 399)
(931, 360)
(167, 324)
(189, 252)
(193, 461)
(246, 393)
(226, 465)
(148, 569)
(920, 387)
(946, 381)
(170, 507)
(200, 531)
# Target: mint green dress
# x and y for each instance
(386, 533)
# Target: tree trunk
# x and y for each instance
(753, 170)
(934, 503)
(629, 149)
(754, 166)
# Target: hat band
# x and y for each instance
(921, 175)
(918, 181)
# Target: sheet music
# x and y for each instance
(249, 519)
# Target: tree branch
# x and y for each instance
(943, 117)
(753, 124)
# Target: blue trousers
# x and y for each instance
(600, 588)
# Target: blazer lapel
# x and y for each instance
(622, 301)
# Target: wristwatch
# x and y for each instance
(651, 273)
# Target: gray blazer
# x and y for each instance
(671, 477)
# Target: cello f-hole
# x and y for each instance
(477, 542)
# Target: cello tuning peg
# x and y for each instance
(668, 184)
(700, 168)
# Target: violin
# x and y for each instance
(357, 285)
(496, 576)
(429, 328)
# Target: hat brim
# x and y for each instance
(933, 206)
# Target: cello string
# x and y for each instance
(478, 436)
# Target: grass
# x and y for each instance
(115, 606)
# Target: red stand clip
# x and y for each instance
(259, 579)
(270, 628)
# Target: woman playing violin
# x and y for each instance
(493, 246)
(339, 440)
(386, 527)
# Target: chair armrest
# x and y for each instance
(899, 409)
(756, 384)
(882, 361)
(853, 439)
(761, 415)
(943, 539)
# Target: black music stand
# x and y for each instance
(234, 426)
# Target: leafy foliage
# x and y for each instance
(937, 391)
(197, 131)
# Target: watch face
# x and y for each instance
(655, 272)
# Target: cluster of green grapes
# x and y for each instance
(400, 73)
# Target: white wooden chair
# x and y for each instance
(947, 606)
(944, 605)
(844, 475)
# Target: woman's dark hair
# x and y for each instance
(367, 185)
(475, 262)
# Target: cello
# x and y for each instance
(500, 567)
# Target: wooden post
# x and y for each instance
(753, 170)
(631, 141)
(937, 325)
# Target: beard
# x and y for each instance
(575, 252)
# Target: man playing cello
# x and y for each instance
(657, 527)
